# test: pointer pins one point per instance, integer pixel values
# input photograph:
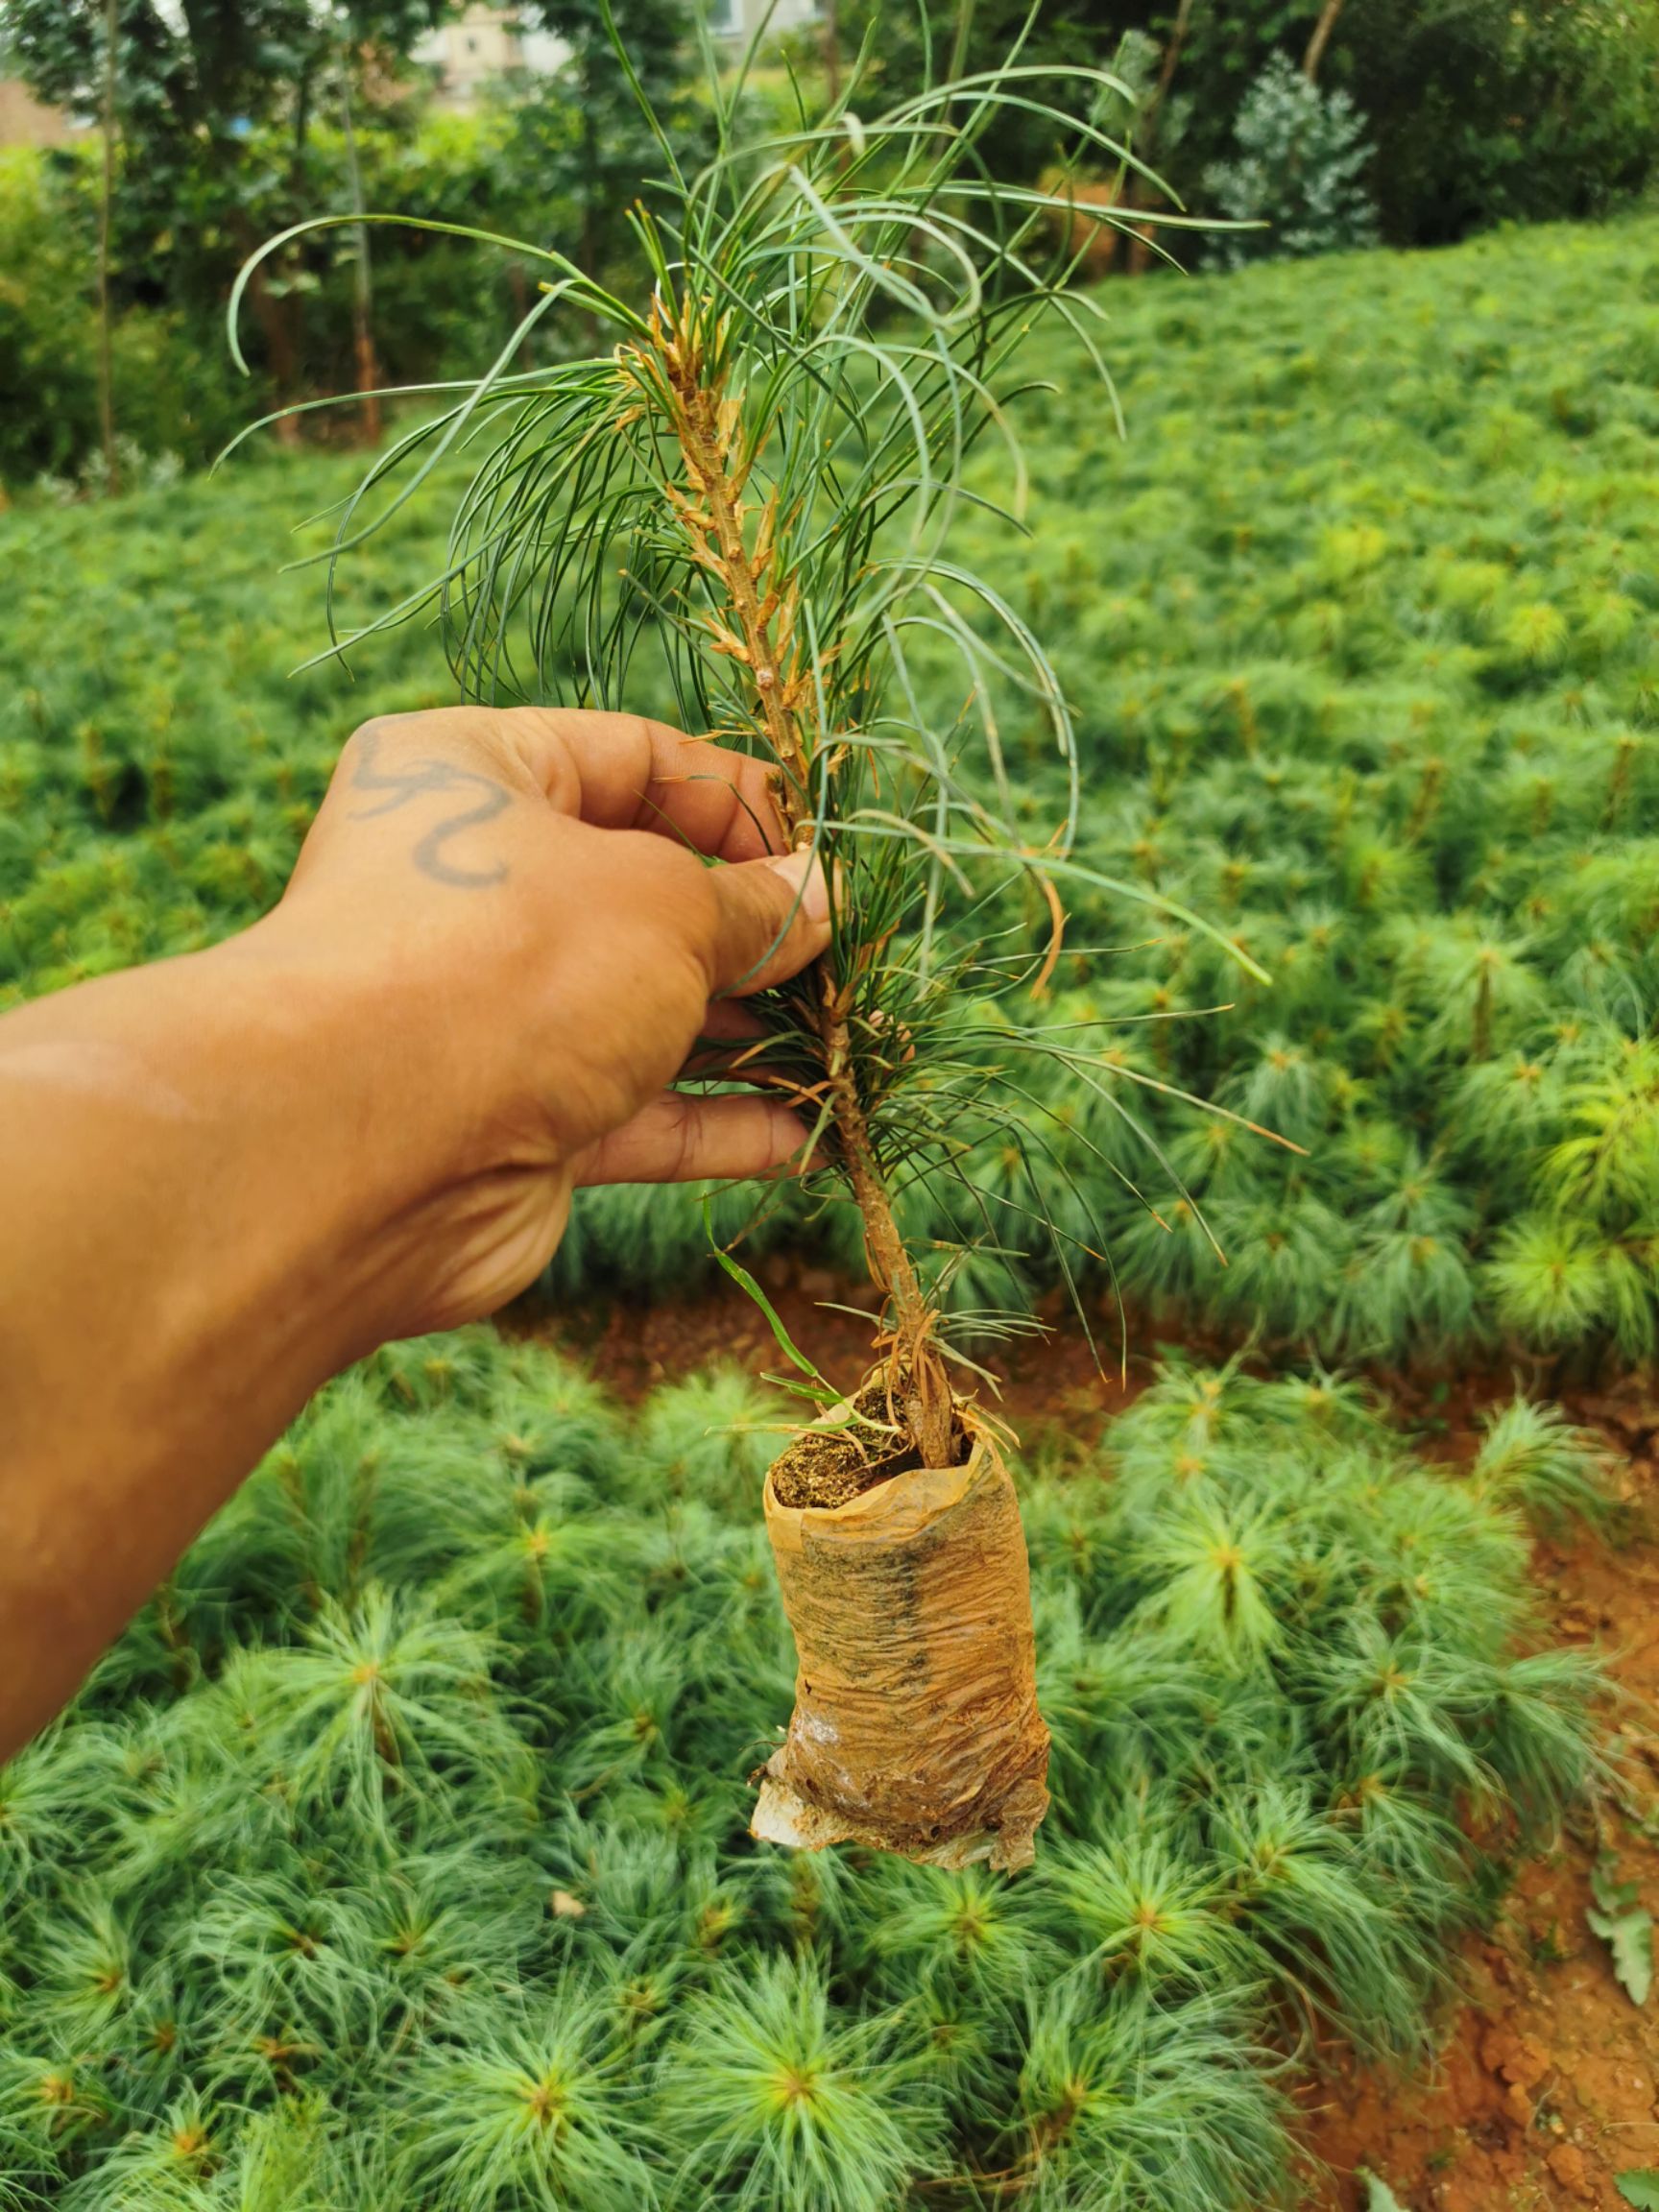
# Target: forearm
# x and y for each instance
(201, 1224)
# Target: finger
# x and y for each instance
(682, 1140)
(623, 772)
(768, 918)
(727, 1019)
(732, 1036)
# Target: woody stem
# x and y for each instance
(752, 598)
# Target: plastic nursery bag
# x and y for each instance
(916, 1727)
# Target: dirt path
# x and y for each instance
(1547, 2087)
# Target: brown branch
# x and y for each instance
(1320, 39)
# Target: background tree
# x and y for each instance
(218, 105)
(608, 162)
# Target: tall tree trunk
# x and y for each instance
(1141, 245)
(363, 284)
(1320, 39)
(302, 126)
(105, 207)
(1171, 55)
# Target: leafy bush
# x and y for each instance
(1491, 111)
(397, 1853)
(1482, 112)
(1300, 168)
(176, 388)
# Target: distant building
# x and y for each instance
(480, 47)
(25, 122)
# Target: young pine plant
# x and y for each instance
(745, 494)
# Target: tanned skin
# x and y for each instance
(229, 1175)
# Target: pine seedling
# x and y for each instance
(285, 2162)
(53, 1802)
(640, 1891)
(1403, 1700)
(50, 2105)
(383, 1702)
(528, 2108)
(933, 1934)
(448, 1922)
(1435, 1555)
(779, 2102)
(749, 501)
(1412, 1843)
(169, 2167)
(85, 1982)
(1548, 1279)
(1334, 1932)
(1531, 1457)
(1537, 1735)
(1216, 1578)
(709, 1437)
(1126, 2104)
(752, 494)
(461, 1369)
(1147, 1918)
(1121, 1706)
(637, 1699)
(288, 1963)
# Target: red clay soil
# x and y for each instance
(1548, 2084)
(1547, 2087)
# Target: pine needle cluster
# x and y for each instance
(398, 1854)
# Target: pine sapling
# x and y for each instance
(749, 499)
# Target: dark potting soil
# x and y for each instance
(830, 1467)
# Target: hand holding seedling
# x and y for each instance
(234, 1174)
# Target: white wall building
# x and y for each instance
(481, 45)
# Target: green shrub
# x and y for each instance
(1299, 170)
(395, 1857)
(174, 393)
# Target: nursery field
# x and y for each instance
(1357, 623)
(398, 1854)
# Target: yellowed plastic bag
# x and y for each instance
(915, 1726)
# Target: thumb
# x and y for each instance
(771, 917)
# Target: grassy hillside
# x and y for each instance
(1358, 624)
(1361, 625)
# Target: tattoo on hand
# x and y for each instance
(414, 781)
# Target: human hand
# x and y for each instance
(513, 905)
(234, 1172)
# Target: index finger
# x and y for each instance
(625, 772)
